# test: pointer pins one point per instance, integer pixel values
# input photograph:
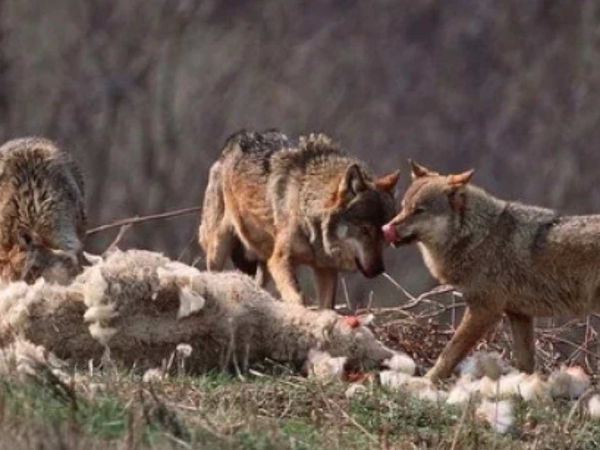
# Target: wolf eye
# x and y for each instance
(365, 230)
(418, 210)
(24, 238)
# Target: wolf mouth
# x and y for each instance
(369, 273)
(405, 240)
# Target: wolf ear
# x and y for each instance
(352, 183)
(458, 180)
(418, 171)
(387, 183)
(458, 199)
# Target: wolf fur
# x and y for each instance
(281, 204)
(505, 257)
(42, 212)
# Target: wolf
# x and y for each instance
(506, 258)
(42, 212)
(274, 204)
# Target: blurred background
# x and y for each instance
(144, 93)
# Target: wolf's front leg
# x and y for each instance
(326, 281)
(523, 341)
(475, 323)
(282, 271)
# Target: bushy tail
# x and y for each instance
(213, 224)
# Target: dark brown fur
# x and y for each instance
(42, 213)
(295, 203)
(505, 257)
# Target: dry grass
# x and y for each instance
(269, 409)
(117, 410)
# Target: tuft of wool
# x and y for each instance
(568, 382)
(498, 414)
(27, 360)
(431, 394)
(401, 362)
(94, 287)
(506, 385)
(93, 389)
(460, 394)
(354, 390)
(533, 388)
(184, 350)
(482, 364)
(153, 375)
(580, 381)
(189, 302)
(594, 406)
(322, 366)
(392, 379)
(398, 381)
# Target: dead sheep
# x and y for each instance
(140, 306)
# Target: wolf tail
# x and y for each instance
(216, 236)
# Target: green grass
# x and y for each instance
(221, 412)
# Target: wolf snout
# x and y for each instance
(389, 233)
(372, 269)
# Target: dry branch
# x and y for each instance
(139, 219)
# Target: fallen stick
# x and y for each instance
(139, 219)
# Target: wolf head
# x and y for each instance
(432, 206)
(32, 259)
(361, 207)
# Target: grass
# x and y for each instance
(113, 410)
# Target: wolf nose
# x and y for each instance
(31, 273)
(389, 233)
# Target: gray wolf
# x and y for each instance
(506, 258)
(42, 212)
(275, 204)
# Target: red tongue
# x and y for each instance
(389, 233)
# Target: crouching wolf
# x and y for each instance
(272, 201)
(42, 216)
(505, 257)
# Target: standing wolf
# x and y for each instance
(272, 201)
(505, 257)
(42, 217)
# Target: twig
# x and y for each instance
(346, 295)
(582, 398)
(414, 301)
(177, 440)
(399, 286)
(140, 219)
(187, 247)
(370, 304)
(461, 424)
(113, 245)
